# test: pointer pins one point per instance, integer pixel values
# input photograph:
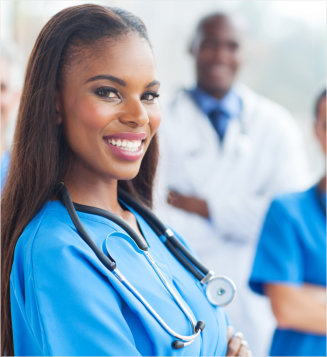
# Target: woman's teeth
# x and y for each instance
(129, 145)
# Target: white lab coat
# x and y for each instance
(261, 156)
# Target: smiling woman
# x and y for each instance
(87, 130)
(109, 112)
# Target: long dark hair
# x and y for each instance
(39, 155)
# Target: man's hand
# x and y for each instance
(188, 203)
(237, 346)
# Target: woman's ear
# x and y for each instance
(58, 109)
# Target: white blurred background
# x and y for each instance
(284, 52)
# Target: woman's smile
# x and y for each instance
(127, 145)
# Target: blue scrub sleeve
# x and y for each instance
(278, 257)
(79, 311)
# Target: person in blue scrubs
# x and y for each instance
(89, 116)
(10, 92)
(290, 263)
(5, 160)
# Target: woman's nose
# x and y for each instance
(135, 114)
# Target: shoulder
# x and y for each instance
(43, 240)
(265, 104)
(291, 204)
(51, 236)
(266, 111)
(50, 245)
(49, 226)
(55, 274)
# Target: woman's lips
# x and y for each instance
(127, 146)
(127, 136)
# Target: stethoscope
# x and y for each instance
(220, 291)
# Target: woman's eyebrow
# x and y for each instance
(108, 77)
(118, 80)
(153, 83)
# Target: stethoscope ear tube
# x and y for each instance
(142, 244)
(178, 344)
(171, 242)
(64, 196)
(183, 260)
(176, 243)
(158, 227)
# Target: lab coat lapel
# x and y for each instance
(239, 126)
(203, 144)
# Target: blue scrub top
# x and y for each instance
(292, 250)
(65, 302)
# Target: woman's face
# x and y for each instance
(109, 108)
(320, 125)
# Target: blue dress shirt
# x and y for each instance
(219, 111)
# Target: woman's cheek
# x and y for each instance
(96, 116)
(155, 120)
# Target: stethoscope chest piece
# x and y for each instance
(220, 290)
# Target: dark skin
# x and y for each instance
(190, 204)
(216, 50)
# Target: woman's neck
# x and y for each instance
(90, 189)
(87, 188)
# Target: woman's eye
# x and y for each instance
(107, 93)
(150, 96)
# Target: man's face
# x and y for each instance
(217, 52)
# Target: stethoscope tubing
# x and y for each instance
(179, 302)
(166, 235)
(171, 242)
(64, 196)
(121, 223)
(110, 263)
(139, 296)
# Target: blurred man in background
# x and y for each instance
(10, 79)
(226, 152)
